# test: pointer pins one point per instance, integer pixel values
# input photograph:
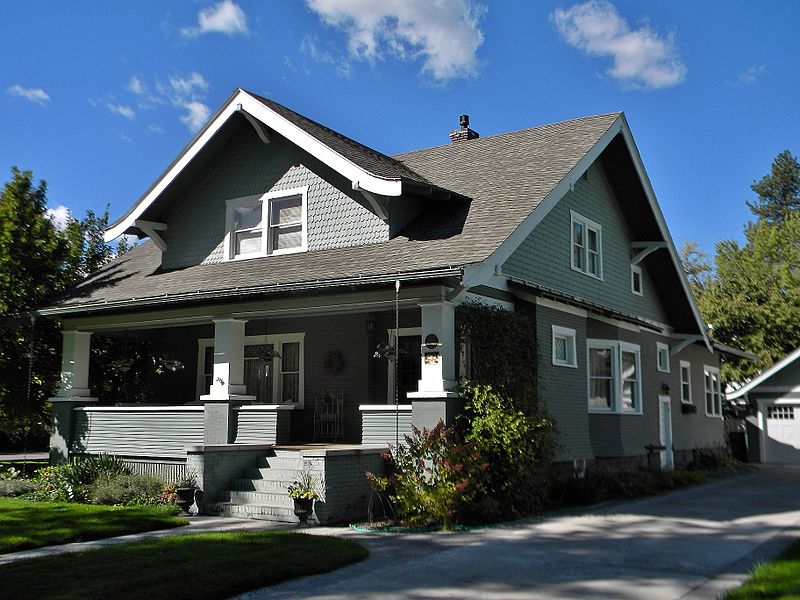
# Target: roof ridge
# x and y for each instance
(495, 136)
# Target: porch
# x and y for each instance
(214, 397)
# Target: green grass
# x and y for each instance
(779, 578)
(196, 567)
(26, 524)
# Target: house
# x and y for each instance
(281, 252)
(773, 402)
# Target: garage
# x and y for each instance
(773, 424)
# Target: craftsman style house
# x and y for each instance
(280, 251)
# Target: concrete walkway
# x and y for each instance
(689, 544)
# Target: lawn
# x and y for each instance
(196, 567)
(779, 578)
(26, 524)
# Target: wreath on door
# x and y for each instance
(334, 363)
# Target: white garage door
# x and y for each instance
(782, 433)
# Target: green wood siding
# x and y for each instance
(337, 216)
(544, 257)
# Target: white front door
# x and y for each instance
(665, 432)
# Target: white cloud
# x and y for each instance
(226, 17)
(444, 34)
(196, 116)
(750, 75)
(60, 216)
(310, 46)
(122, 110)
(190, 85)
(155, 128)
(37, 95)
(643, 59)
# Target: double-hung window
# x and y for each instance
(713, 391)
(586, 239)
(615, 383)
(662, 357)
(686, 382)
(273, 223)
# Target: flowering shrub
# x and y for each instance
(435, 479)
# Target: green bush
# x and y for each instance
(70, 482)
(126, 489)
(518, 447)
(435, 479)
(16, 487)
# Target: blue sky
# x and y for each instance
(98, 98)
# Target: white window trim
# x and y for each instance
(266, 225)
(587, 224)
(662, 347)
(276, 340)
(637, 270)
(688, 365)
(570, 336)
(616, 370)
(712, 370)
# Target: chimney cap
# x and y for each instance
(464, 121)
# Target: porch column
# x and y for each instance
(228, 382)
(228, 389)
(73, 391)
(433, 402)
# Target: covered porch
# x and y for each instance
(229, 384)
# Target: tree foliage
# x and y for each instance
(37, 262)
(779, 191)
(751, 296)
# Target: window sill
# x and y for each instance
(577, 270)
(569, 365)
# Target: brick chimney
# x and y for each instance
(465, 133)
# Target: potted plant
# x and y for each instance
(187, 495)
(304, 492)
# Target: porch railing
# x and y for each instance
(158, 431)
(262, 424)
(383, 424)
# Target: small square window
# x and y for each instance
(636, 280)
(564, 347)
(784, 413)
(662, 357)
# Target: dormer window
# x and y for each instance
(274, 223)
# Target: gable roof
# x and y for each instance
(756, 381)
(512, 181)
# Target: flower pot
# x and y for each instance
(186, 499)
(303, 507)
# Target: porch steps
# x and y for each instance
(261, 492)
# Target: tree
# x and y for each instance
(753, 300)
(779, 191)
(37, 262)
(697, 266)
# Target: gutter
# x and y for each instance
(199, 296)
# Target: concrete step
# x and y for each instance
(259, 485)
(273, 474)
(254, 511)
(279, 500)
(280, 462)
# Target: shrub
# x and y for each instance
(70, 482)
(518, 447)
(8, 474)
(435, 479)
(126, 489)
(16, 487)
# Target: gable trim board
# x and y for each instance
(242, 101)
(478, 274)
(780, 365)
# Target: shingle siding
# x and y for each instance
(337, 217)
(544, 257)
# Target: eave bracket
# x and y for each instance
(645, 249)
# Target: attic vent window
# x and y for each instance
(274, 223)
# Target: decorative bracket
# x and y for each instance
(151, 229)
(686, 341)
(261, 129)
(373, 202)
(645, 249)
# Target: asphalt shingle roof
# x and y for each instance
(506, 177)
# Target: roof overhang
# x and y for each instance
(243, 102)
(486, 269)
(765, 375)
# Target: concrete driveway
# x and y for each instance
(693, 543)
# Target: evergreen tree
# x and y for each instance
(778, 192)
